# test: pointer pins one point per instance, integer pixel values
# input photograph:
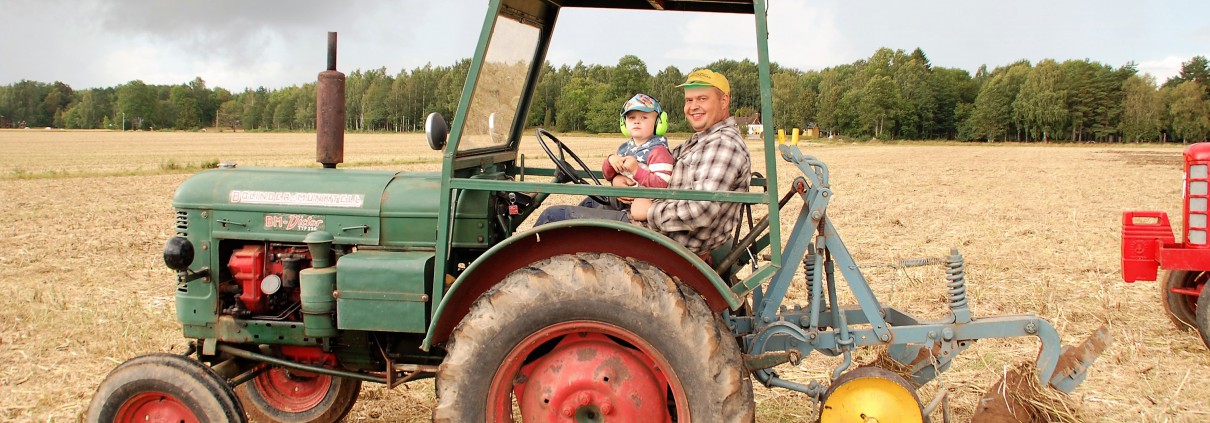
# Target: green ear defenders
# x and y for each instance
(661, 125)
(645, 103)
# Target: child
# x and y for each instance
(644, 159)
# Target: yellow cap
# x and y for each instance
(707, 78)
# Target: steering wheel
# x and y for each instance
(565, 168)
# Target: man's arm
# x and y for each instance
(721, 166)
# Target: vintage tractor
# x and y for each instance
(295, 286)
(1148, 244)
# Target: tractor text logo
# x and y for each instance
(294, 222)
(297, 198)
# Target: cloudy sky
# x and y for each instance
(274, 43)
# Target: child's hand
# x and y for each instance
(630, 164)
(615, 161)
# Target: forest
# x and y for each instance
(892, 95)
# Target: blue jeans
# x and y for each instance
(561, 213)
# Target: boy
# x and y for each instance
(644, 159)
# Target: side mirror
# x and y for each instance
(436, 131)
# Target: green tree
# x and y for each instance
(138, 103)
(672, 98)
(1041, 105)
(188, 113)
(1189, 112)
(878, 105)
(575, 102)
(229, 113)
(1142, 109)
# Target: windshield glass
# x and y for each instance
(501, 81)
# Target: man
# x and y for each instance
(715, 158)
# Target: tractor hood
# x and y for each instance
(282, 204)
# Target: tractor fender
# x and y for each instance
(569, 237)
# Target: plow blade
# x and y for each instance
(1020, 397)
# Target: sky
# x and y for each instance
(237, 44)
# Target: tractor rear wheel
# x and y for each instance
(283, 395)
(1179, 293)
(1203, 317)
(592, 337)
(164, 387)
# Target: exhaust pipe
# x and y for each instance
(330, 112)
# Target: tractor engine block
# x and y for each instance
(265, 279)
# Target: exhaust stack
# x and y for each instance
(330, 112)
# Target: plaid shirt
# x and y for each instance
(712, 160)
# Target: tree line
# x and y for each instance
(890, 95)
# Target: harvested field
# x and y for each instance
(85, 215)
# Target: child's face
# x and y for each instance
(640, 124)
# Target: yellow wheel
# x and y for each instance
(869, 395)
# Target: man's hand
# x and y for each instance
(638, 209)
(623, 181)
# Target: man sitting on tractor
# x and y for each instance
(714, 158)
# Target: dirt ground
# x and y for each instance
(84, 215)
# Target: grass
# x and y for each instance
(85, 215)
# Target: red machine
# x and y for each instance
(1148, 244)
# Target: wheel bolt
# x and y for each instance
(585, 399)
(567, 412)
(606, 408)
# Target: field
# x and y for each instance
(83, 218)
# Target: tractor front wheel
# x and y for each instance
(283, 395)
(1178, 293)
(592, 337)
(163, 388)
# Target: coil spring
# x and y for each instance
(808, 267)
(955, 275)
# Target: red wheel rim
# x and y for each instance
(155, 407)
(586, 371)
(291, 391)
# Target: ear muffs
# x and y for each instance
(661, 125)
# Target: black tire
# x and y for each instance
(157, 387)
(595, 290)
(301, 398)
(1203, 317)
(1181, 309)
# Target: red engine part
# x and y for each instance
(248, 268)
(252, 263)
(309, 355)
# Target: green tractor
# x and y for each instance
(295, 286)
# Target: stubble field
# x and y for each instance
(83, 218)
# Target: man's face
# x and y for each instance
(641, 124)
(705, 106)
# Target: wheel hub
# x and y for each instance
(589, 377)
(290, 391)
(155, 407)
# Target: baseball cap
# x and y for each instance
(642, 103)
(705, 77)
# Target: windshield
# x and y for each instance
(501, 82)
